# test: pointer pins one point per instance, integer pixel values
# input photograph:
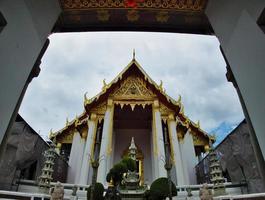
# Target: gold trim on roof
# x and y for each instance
(180, 5)
(120, 76)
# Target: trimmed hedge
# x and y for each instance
(160, 189)
(98, 192)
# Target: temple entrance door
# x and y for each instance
(135, 123)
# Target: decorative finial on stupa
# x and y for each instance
(133, 54)
(132, 146)
(132, 149)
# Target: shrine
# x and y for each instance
(132, 106)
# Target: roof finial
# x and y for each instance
(133, 54)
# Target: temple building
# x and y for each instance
(132, 105)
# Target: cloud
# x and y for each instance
(190, 65)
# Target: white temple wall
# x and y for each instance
(142, 140)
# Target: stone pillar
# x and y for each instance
(243, 44)
(105, 146)
(159, 149)
(28, 24)
(175, 147)
(74, 156)
(189, 157)
(92, 127)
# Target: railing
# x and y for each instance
(255, 196)
(232, 189)
(65, 185)
(184, 188)
(22, 195)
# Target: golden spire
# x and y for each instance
(51, 134)
(198, 124)
(161, 86)
(179, 99)
(182, 109)
(86, 100)
(67, 121)
(104, 84)
(133, 54)
(76, 120)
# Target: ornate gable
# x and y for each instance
(133, 88)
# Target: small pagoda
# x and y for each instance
(47, 171)
(132, 179)
(216, 174)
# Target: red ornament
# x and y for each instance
(132, 3)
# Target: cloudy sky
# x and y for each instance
(189, 65)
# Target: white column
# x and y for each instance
(105, 143)
(28, 25)
(189, 157)
(184, 163)
(92, 127)
(175, 146)
(74, 157)
(81, 149)
(153, 153)
(159, 149)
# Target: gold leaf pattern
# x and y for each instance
(133, 88)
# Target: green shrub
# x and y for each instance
(117, 171)
(98, 192)
(120, 168)
(130, 163)
(160, 189)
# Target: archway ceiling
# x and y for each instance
(184, 16)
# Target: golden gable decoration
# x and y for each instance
(133, 88)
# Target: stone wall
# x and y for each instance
(237, 160)
(23, 157)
